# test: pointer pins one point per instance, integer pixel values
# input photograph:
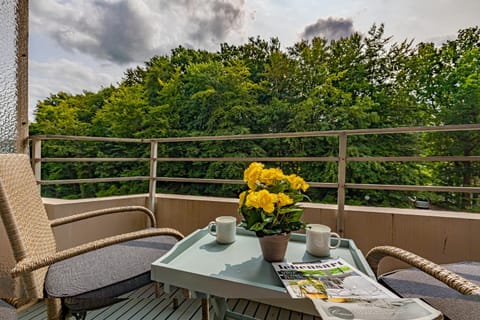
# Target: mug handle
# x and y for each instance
(210, 225)
(335, 235)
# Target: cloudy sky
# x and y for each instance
(80, 45)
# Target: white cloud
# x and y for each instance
(84, 45)
(125, 31)
(68, 76)
(425, 20)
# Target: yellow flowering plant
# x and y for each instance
(269, 206)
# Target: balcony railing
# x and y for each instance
(342, 160)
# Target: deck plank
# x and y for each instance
(142, 304)
(142, 293)
(294, 315)
(240, 306)
(198, 313)
(149, 305)
(251, 309)
(232, 303)
(107, 313)
(262, 311)
(284, 314)
(194, 306)
(169, 312)
(129, 309)
(125, 311)
(272, 313)
(35, 312)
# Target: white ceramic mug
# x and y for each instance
(318, 240)
(225, 229)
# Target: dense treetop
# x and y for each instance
(358, 82)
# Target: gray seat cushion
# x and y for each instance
(96, 278)
(415, 283)
(7, 312)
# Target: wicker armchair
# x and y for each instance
(433, 283)
(78, 279)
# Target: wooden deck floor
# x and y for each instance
(142, 304)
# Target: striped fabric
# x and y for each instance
(7, 312)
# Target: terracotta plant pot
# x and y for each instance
(274, 246)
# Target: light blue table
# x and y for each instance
(236, 270)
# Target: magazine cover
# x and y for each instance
(340, 291)
(333, 280)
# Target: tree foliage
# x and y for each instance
(356, 82)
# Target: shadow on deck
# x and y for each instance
(142, 304)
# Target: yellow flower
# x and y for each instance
(297, 182)
(271, 193)
(269, 176)
(262, 199)
(242, 198)
(284, 200)
(252, 174)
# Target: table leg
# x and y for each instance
(219, 307)
(223, 313)
(205, 309)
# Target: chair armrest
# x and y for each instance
(101, 212)
(448, 277)
(34, 263)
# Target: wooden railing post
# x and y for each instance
(37, 160)
(342, 167)
(153, 175)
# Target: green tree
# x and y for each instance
(457, 101)
(357, 82)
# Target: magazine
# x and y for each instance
(377, 309)
(333, 280)
(340, 291)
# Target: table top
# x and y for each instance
(237, 270)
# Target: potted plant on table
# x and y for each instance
(270, 207)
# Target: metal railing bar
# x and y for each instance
(250, 159)
(235, 181)
(152, 184)
(92, 159)
(462, 127)
(93, 180)
(342, 167)
(36, 160)
(322, 133)
(250, 136)
(270, 135)
(199, 180)
(85, 138)
(268, 159)
(332, 185)
(412, 188)
(416, 158)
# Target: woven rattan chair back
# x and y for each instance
(24, 216)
